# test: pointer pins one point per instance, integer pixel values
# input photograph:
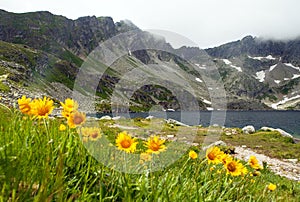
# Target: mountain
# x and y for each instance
(263, 70)
(41, 54)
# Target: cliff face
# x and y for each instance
(51, 33)
(43, 52)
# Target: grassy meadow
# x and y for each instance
(44, 159)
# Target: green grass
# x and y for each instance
(269, 143)
(40, 163)
(4, 87)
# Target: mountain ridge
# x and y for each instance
(256, 73)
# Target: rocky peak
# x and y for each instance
(55, 34)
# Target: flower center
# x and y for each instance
(154, 146)
(43, 111)
(211, 156)
(94, 135)
(78, 120)
(125, 143)
(231, 167)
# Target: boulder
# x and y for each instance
(108, 118)
(282, 132)
(248, 129)
(217, 143)
(149, 117)
(117, 118)
(176, 123)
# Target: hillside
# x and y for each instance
(41, 53)
(263, 70)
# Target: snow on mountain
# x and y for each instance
(272, 67)
(199, 80)
(227, 62)
(285, 100)
(237, 68)
(277, 81)
(206, 101)
(296, 76)
(260, 76)
(200, 67)
(291, 65)
(269, 57)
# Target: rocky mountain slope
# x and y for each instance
(41, 53)
(263, 70)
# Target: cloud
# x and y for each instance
(206, 22)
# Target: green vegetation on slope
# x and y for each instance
(39, 162)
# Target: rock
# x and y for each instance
(248, 129)
(176, 123)
(217, 143)
(117, 118)
(230, 131)
(291, 160)
(282, 132)
(149, 117)
(108, 118)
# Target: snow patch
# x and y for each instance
(285, 100)
(199, 80)
(200, 67)
(209, 108)
(277, 81)
(291, 65)
(227, 62)
(295, 76)
(237, 68)
(206, 101)
(272, 67)
(269, 57)
(260, 76)
(286, 79)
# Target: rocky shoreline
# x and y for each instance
(289, 168)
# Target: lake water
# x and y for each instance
(286, 120)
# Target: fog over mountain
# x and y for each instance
(208, 23)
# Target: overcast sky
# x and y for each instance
(208, 23)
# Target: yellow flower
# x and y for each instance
(272, 187)
(125, 142)
(68, 107)
(193, 154)
(256, 173)
(62, 127)
(155, 145)
(253, 162)
(244, 171)
(93, 133)
(252, 181)
(213, 155)
(145, 157)
(225, 158)
(76, 118)
(212, 168)
(235, 168)
(24, 105)
(41, 108)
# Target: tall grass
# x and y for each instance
(38, 162)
